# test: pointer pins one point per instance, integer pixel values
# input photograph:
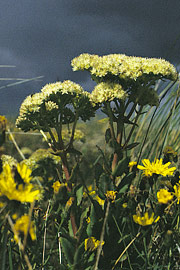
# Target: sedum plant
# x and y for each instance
(79, 216)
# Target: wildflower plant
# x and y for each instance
(79, 213)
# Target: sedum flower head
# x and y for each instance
(50, 105)
(6, 159)
(91, 243)
(21, 226)
(124, 67)
(107, 91)
(25, 192)
(79, 135)
(177, 192)
(156, 167)
(31, 104)
(40, 156)
(63, 88)
(42, 110)
(145, 220)
(31, 114)
(164, 196)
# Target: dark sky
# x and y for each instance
(41, 37)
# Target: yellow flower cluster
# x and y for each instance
(125, 67)
(78, 134)
(107, 91)
(66, 87)
(145, 220)
(41, 110)
(32, 103)
(50, 105)
(40, 155)
(156, 167)
(25, 192)
(6, 159)
(21, 226)
(91, 243)
(111, 195)
(164, 196)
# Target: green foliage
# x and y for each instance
(96, 210)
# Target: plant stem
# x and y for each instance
(101, 237)
(44, 238)
(4, 247)
(133, 127)
(19, 243)
(126, 249)
(15, 144)
(73, 130)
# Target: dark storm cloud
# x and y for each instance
(40, 37)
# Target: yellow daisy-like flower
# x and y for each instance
(23, 192)
(57, 185)
(124, 205)
(69, 202)
(156, 167)
(99, 200)
(24, 172)
(164, 196)
(111, 195)
(91, 243)
(88, 220)
(132, 164)
(22, 225)
(145, 220)
(177, 192)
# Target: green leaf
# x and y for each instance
(98, 170)
(68, 249)
(79, 194)
(132, 145)
(105, 184)
(122, 167)
(62, 267)
(70, 228)
(78, 257)
(123, 189)
(125, 182)
(96, 214)
(107, 135)
(73, 176)
(74, 151)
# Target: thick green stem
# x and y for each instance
(119, 138)
(131, 111)
(111, 120)
(133, 127)
(73, 130)
(67, 175)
